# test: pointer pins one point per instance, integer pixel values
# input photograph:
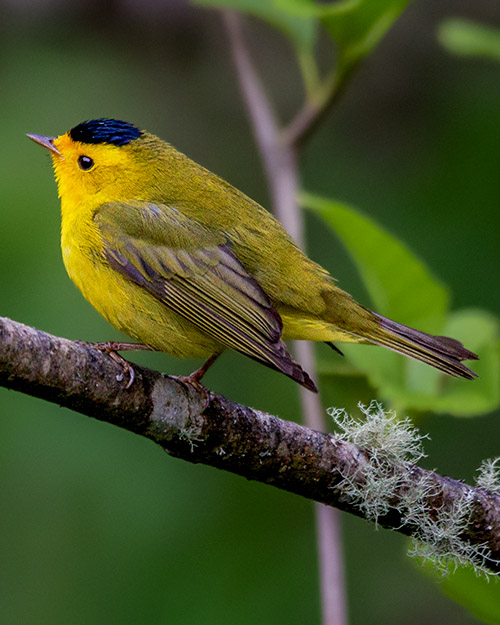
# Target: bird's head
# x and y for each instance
(101, 160)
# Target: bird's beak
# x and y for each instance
(46, 142)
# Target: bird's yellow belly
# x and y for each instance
(298, 327)
(132, 310)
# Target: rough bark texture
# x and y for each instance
(200, 426)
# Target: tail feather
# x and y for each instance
(441, 352)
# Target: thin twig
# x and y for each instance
(281, 166)
(280, 162)
(331, 562)
(314, 110)
(328, 521)
(199, 426)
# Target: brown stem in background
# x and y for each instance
(307, 120)
(280, 160)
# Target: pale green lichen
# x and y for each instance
(439, 541)
(384, 480)
(489, 475)
(387, 443)
(192, 435)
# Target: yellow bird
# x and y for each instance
(178, 259)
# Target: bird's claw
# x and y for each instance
(110, 348)
(127, 368)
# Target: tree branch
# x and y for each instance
(201, 426)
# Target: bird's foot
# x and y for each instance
(111, 348)
(194, 379)
(127, 368)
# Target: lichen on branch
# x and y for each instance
(438, 525)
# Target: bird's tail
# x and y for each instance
(442, 352)
(352, 322)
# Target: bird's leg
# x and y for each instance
(112, 348)
(195, 377)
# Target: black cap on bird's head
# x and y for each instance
(112, 131)
(95, 158)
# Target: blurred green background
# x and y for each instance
(100, 526)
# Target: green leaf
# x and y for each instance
(480, 595)
(308, 8)
(469, 39)
(428, 390)
(402, 288)
(301, 30)
(355, 25)
(479, 330)
(399, 284)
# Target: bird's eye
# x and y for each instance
(85, 163)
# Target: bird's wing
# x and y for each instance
(192, 271)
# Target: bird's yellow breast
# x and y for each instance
(128, 307)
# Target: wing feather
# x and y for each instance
(195, 274)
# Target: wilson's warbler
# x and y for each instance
(183, 262)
